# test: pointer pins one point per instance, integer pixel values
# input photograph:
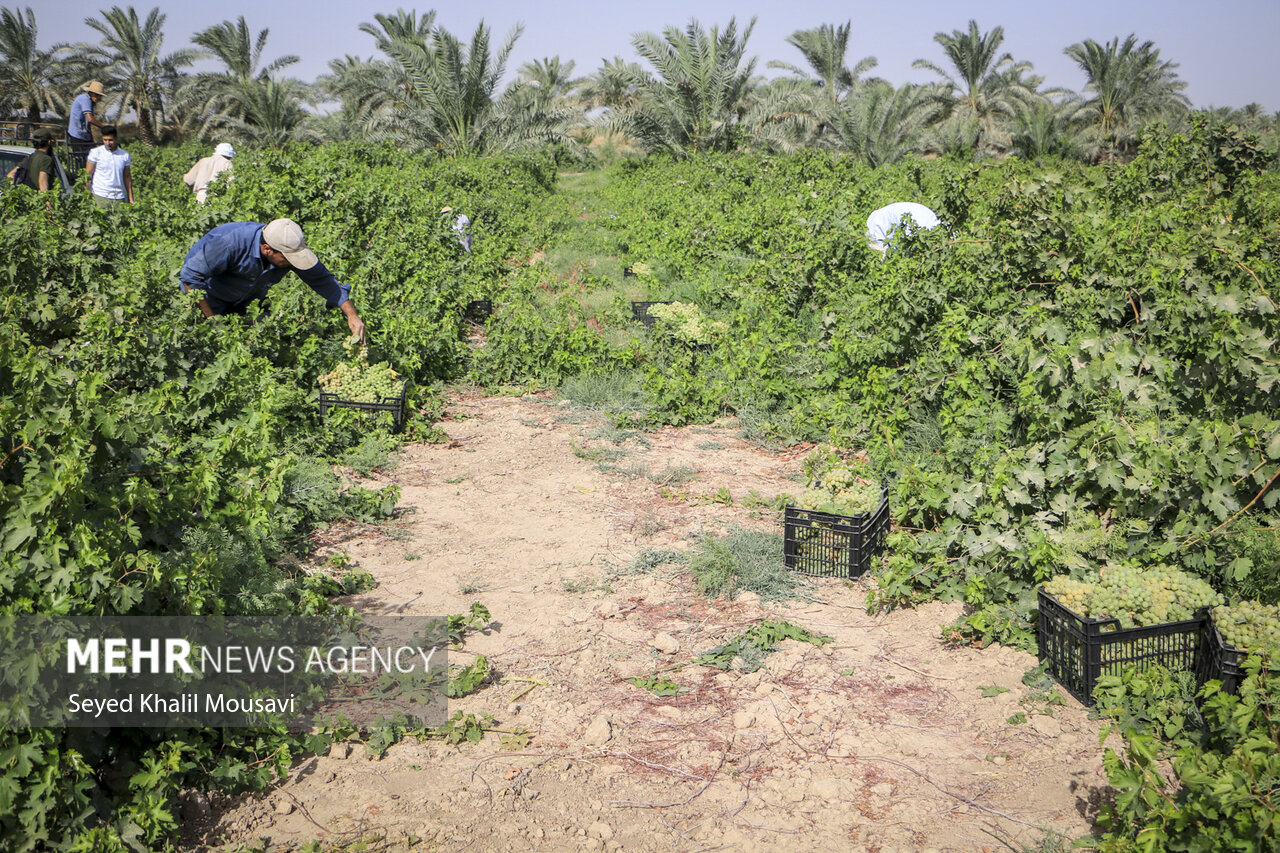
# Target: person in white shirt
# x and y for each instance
(110, 182)
(208, 168)
(882, 223)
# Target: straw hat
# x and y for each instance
(95, 87)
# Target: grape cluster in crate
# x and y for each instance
(1135, 596)
(358, 381)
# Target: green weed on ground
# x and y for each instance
(744, 561)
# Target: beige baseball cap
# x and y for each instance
(285, 236)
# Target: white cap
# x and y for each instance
(285, 236)
(224, 149)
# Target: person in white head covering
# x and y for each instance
(882, 223)
(208, 168)
(461, 227)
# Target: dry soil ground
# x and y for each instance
(880, 741)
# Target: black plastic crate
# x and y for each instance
(1080, 650)
(640, 312)
(394, 405)
(478, 309)
(1218, 659)
(831, 545)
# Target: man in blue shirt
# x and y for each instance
(79, 134)
(237, 263)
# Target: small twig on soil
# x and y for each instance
(571, 651)
(920, 729)
(1001, 840)
(630, 804)
(960, 797)
(651, 765)
(913, 669)
(922, 775)
(305, 813)
(533, 682)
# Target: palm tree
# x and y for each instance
(787, 114)
(364, 86)
(402, 26)
(824, 48)
(551, 81)
(270, 116)
(230, 43)
(441, 94)
(614, 85)
(700, 94)
(29, 77)
(1048, 129)
(1129, 85)
(986, 85)
(452, 87)
(214, 94)
(793, 113)
(130, 60)
(881, 124)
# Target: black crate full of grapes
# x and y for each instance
(1080, 650)
(833, 545)
(1230, 635)
(357, 384)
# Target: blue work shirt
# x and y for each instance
(78, 127)
(227, 264)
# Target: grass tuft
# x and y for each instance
(744, 561)
(616, 393)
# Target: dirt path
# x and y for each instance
(881, 741)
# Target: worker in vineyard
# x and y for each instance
(39, 164)
(461, 227)
(882, 223)
(208, 168)
(83, 120)
(108, 171)
(238, 262)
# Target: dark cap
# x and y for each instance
(41, 136)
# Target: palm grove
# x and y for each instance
(696, 89)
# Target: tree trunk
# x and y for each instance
(144, 125)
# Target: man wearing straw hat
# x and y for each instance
(79, 134)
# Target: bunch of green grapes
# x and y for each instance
(687, 322)
(839, 492)
(1251, 626)
(359, 381)
(1176, 595)
(1073, 594)
(1121, 592)
(1133, 596)
(356, 349)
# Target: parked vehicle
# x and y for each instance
(12, 155)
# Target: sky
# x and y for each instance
(1226, 52)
